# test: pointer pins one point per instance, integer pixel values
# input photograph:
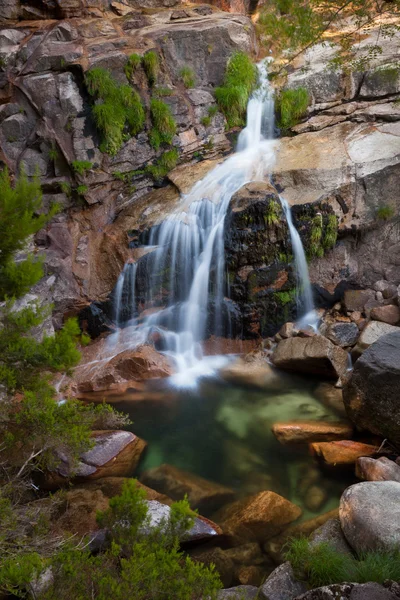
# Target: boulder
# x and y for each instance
(249, 575)
(356, 300)
(371, 395)
(341, 453)
(215, 556)
(114, 454)
(371, 333)
(381, 469)
(316, 355)
(304, 432)
(331, 533)
(258, 517)
(241, 592)
(370, 515)
(202, 494)
(281, 585)
(387, 289)
(256, 373)
(350, 591)
(343, 334)
(386, 314)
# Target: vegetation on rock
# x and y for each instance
(134, 61)
(164, 126)
(188, 77)
(151, 65)
(240, 80)
(385, 213)
(81, 166)
(323, 565)
(118, 111)
(164, 164)
(291, 105)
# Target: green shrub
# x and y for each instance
(271, 216)
(118, 108)
(206, 121)
(82, 189)
(81, 166)
(331, 232)
(165, 163)
(212, 110)
(323, 565)
(66, 188)
(385, 213)
(291, 105)
(161, 92)
(151, 64)
(164, 126)
(187, 76)
(133, 63)
(240, 80)
(53, 153)
(286, 297)
(314, 246)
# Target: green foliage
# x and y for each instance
(323, 565)
(19, 208)
(66, 188)
(285, 297)
(17, 574)
(385, 213)
(53, 153)
(82, 189)
(291, 105)
(331, 232)
(315, 247)
(151, 64)
(165, 163)
(240, 79)
(81, 166)
(212, 110)
(206, 121)
(118, 109)
(271, 216)
(162, 92)
(187, 76)
(164, 126)
(133, 63)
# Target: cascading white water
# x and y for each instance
(187, 263)
(304, 292)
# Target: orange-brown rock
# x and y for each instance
(381, 469)
(112, 486)
(258, 517)
(253, 370)
(250, 575)
(202, 494)
(305, 432)
(114, 454)
(343, 452)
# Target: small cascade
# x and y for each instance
(304, 291)
(125, 295)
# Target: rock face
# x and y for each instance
(281, 585)
(202, 494)
(305, 432)
(371, 396)
(370, 515)
(316, 355)
(259, 517)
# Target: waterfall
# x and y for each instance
(304, 292)
(186, 291)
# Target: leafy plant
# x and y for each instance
(212, 110)
(164, 126)
(331, 232)
(271, 216)
(165, 163)
(187, 75)
(323, 565)
(285, 297)
(133, 63)
(53, 153)
(119, 108)
(315, 248)
(66, 188)
(151, 64)
(291, 105)
(82, 189)
(206, 121)
(385, 213)
(81, 166)
(161, 92)
(240, 80)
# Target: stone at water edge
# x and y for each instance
(204, 495)
(371, 396)
(305, 432)
(371, 333)
(282, 585)
(381, 469)
(332, 397)
(258, 517)
(343, 334)
(350, 591)
(369, 514)
(255, 373)
(332, 534)
(241, 592)
(341, 453)
(315, 355)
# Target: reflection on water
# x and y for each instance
(223, 433)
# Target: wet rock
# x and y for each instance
(344, 452)
(386, 314)
(304, 432)
(371, 334)
(331, 397)
(184, 177)
(371, 395)
(202, 494)
(249, 575)
(343, 334)
(115, 454)
(381, 469)
(255, 373)
(370, 515)
(331, 533)
(282, 585)
(316, 355)
(349, 591)
(258, 517)
(315, 498)
(112, 486)
(241, 592)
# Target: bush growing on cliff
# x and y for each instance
(240, 80)
(165, 163)
(151, 65)
(188, 77)
(291, 105)
(118, 109)
(323, 565)
(133, 63)
(164, 126)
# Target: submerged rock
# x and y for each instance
(370, 515)
(316, 355)
(256, 372)
(341, 453)
(304, 432)
(202, 494)
(371, 396)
